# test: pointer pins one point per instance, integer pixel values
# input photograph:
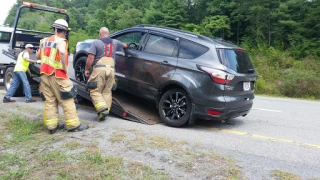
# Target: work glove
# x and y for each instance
(38, 61)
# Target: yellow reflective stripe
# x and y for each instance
(55, 64)
(52, 121)
(72, 121)
(44, 114)
(51, 59)
(53, 53)
(100, 105)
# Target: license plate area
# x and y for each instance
(246, 86)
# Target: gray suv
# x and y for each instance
(188, 76)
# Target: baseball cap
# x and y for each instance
(29, 46)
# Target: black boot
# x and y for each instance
(81, 127)
(102, 115)
(60, 126)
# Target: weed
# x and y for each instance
(23, 129)
(233, 171)
(14, 174)
(137, 144)
(282, 175)
(117, 137)
(72, 145)
(95, 157)
(55, 155)
(9, 159)
(139, 171)
(165, 143)
(13, 166)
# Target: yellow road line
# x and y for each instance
(262, 137)
(2, 91)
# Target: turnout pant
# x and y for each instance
(100, 86)
(56, 90)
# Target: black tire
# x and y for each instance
(7, 80)
(79, 69)
(175, 107)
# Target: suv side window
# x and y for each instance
(133, 39)
(161, 46)
(5, 37)
(191, 50)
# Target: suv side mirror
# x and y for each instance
(120, 53)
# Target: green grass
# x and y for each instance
(22, 129)
(138, 170)
(38, 155)
(13, 166)
(56, 155)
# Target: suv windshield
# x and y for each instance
(236, 59)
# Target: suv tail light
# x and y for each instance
(216, 75)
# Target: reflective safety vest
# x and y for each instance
(50, 57)
(22, 64)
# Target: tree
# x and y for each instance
(153, 14)
(174, 13)
(216, 26)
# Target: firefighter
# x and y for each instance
(55, 83)
(101, 59)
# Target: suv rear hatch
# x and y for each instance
(239, 86)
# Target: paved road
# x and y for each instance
(278, 134)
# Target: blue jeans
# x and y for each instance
(19, 77)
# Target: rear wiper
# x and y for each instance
(250, 71)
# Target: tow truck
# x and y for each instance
(122, 105)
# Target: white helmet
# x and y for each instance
(60, 24)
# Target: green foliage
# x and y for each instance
(280, 74)
(289, 25)
(281, 36)
(216, 26)
(297, 83)
(173, 13)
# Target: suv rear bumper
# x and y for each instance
(200, 112)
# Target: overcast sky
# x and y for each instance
(4, 9)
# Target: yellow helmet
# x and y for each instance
(60, 24)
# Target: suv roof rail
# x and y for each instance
(178, 30)
(223, 40)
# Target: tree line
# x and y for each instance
(282, 36)
(284, 24)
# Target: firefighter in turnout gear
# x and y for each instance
(101, 59)
(55, 83)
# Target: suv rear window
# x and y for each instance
(236, 59)
(191, 50)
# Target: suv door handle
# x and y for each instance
(164, 62)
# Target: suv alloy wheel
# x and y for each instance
(175, 107)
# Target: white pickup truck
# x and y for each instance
(5, 61)
(5, 35)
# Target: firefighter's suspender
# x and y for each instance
(106, 52)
